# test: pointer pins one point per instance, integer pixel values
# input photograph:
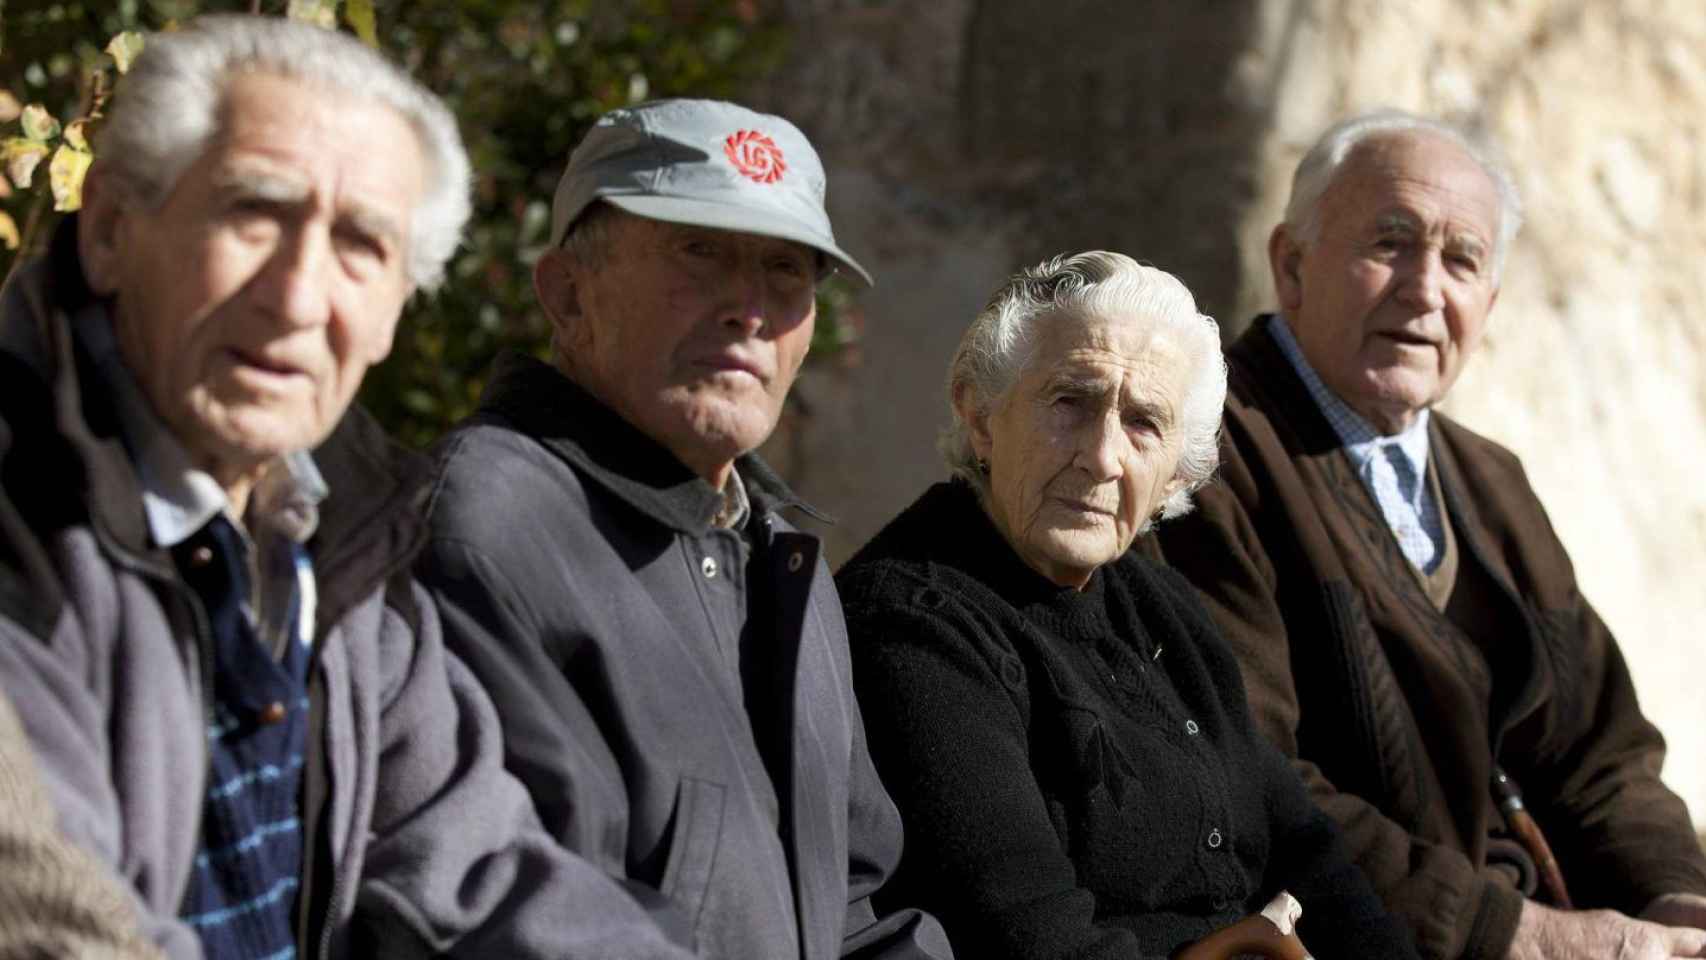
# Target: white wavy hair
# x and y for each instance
(165, 113)
(1318, 168)
(1077, 288)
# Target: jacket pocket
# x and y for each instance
(695, 833)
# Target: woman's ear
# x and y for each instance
(976, 420)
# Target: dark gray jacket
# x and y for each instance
(679, 703)
(417, 842)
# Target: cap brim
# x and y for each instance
(741, 219)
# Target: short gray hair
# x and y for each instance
(1001, 342)
(592, 236)
(1321, 165)
(165, 114)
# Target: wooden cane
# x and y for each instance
(1527, 832)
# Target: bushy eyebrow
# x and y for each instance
(1157, 413)
(1076, 385)
(242, 182)
(1466, 243)
(1396, 223)
(1403, 224)
(248, 183)
(371, 222)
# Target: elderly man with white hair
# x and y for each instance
(1056, 716)
(1410, 627)
(238, 698)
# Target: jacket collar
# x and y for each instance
(1262, 369)
(539, 401)
(369, 527)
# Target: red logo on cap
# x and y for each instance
(755, 155)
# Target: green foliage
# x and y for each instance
(525, 78)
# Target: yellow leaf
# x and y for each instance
(359, 15)
(321, 13)
(39, 124)
(9, 231)
(65, 176)
(21, 158)
(9, 107)
(74, 134)
(124, 48)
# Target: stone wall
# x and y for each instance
(966, 138)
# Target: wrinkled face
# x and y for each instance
(691, 334)
(1393, 296)
(251, 303)
(1083, 449)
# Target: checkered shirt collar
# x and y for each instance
(1359, 437)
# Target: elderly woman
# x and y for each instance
(1063, 730)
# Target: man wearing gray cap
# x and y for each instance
(666, 651)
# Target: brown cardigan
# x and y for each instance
(1396, 710)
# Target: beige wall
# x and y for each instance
(966, 138)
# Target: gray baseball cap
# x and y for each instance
(701, 162)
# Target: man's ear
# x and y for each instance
(554, 284)
(976, 420)
(100, 229)
(1285, 259)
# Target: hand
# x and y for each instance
(1543, 933)
(1677, 910)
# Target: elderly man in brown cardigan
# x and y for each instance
(1409, 625)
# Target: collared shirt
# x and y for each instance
(736, 508)
(178, 499)
(1393, 468)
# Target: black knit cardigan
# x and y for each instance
(1076, 770)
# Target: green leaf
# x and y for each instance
(359, 15)
(65, 176)
(124, 48)
(39, 124)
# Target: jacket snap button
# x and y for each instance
(708, 566)
(796, 560)
(1191, 727)
(201, 556)
(272, 713)
(1214, 839)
